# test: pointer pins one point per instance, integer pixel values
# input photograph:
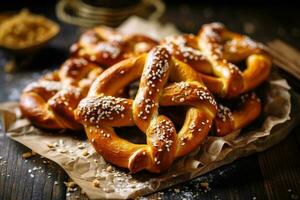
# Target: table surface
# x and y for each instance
(272, 174)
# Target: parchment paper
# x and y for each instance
(70, 151)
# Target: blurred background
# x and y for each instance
(261, 20)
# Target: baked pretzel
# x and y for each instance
(213, 53)
(100, 111)
(50, 102)
(246, 108)
(106, 46)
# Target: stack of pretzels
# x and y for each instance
(211, 75)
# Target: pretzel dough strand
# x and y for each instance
(247, 110)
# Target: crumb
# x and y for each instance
(85, 153)
(28, 154)
(80, 146)
(70, 184)
(51, 146)
(96, 183)
(46, 162)
(109, 168)
(176, 190)
(63, 151)
(108, 190)
(205, 185)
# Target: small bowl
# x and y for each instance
(53, 31)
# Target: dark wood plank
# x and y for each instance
(280, 167)
(239, 180)
(16, 181)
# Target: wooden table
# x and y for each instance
(273, 174)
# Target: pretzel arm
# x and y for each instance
(227, 121)
(125, 71)
(155, 75)
(258, 70)
(115, 149)
(106, 110)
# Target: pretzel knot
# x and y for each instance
(215, 53)
(50, 102)
(100, 111)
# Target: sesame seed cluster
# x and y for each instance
(162, 133)
(187, 90)
(179, 47)
(94, 110)
(154, 73)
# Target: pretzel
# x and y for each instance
(101, 111)
(213, 53)
(106, 46)
(50, 102)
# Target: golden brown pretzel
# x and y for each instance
(106, 46)
(213, 53)
(100, 111)
(50, 102)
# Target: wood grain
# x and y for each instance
(15, 180)
(280, 167)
